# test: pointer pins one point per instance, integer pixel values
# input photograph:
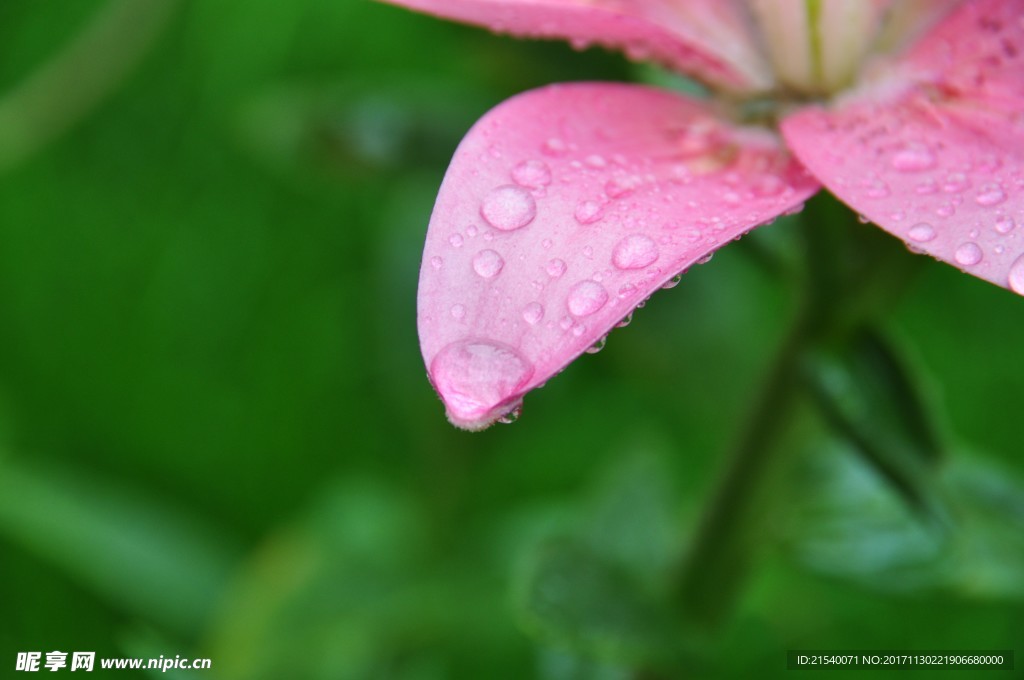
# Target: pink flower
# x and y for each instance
(567, 206)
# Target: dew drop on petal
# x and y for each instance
(673, 282)
(587, 212)
(989, 195)
(586, 297)
(1016, 276)
(556, 268)
(458, 312)
(436, 262)
(878, 189)
(512, 416)
(455, 240)
(913, 159)
(533, 313)
(955, 182)
(598, 345)
(509, 207)
(1004, 224)
(635, 251)
(555, 147)
(474, 376)
(532, 174)
(488, 263)
(922, 232)
(968, 254)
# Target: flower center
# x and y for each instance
(817, 46)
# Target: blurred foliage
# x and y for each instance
(216, 437)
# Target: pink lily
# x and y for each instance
(566, 207)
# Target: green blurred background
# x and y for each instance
(218, 439)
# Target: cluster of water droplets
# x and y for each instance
(480, 377)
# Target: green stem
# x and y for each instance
(852, 274)
(720, 553)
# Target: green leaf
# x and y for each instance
(850, 525)
(138, 553)
(869, 396)
(573, 598)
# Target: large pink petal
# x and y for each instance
(710, 39)
(936, 156)
(563, 209)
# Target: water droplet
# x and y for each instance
(554, 147)
(512, 416)
(955, 182)
(621, 187)
(635, 251)
(532, 174)
(598, 345)
(596, 161)
(990, 194)
(458, 312)
(509, 207)
(945, 210)
(1016, 277)
(921, 232)
(533, 313)
(706, 258)
(586, 297)
(1004, 224)
(878, 189)
(625, 321)
(488, 263)
(673, 282)
(968, 254)
(455, 240)
(588, 212)
(913, 159)
(588, 252)
(928, 186)
(556, 268)
(546, 244)
(475, 376)
(436, 262)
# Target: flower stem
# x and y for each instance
(852, 274)
(719, 556)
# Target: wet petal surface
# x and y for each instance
(939, 162)
(563, 209)
(709, 39)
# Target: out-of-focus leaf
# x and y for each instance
(78, 77)
(851, 526)
(868, 394)
(139, 554)
(348, 129)
(574, 598)
(348, 591)
(556, 664)
(632, 518)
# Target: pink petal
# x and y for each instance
(937, 159)
(563, 209)
(710, 39)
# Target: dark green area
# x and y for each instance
(217, 438)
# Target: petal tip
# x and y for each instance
(479, 381)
